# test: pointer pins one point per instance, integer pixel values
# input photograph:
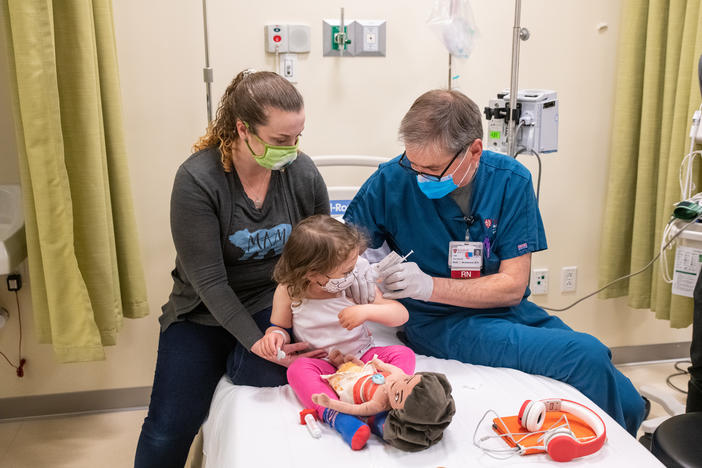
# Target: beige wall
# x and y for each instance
(353, 106)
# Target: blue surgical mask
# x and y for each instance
(435, 189)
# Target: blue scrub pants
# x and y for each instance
(528, 339)
(191, 360)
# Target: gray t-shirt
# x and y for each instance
(226, 247)
(462, 197)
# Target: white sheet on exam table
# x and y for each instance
(260, 427)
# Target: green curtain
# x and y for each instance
(84, 260)
(656, 94)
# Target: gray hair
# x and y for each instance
(443, 119)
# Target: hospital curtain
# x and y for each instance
(656, 94)
(84, 262)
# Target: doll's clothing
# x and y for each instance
(356, 384)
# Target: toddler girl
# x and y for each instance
(316, 266)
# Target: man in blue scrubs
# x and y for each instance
(471, 218)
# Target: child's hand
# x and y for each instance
(353, 316)
(271, 343)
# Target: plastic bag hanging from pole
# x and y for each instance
(452, 21)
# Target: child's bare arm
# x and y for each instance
(281, 318)
(384, 311)
(281, 315)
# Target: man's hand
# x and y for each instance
(362, 290)
(406, 280)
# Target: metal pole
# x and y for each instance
(513, 87)
(342, 32)
(207, 71)
(449, 72)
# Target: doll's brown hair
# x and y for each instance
(428, 410)
(317, 244)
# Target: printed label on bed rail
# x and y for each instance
(338, 207)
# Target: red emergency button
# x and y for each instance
(276, 38)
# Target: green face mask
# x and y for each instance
(274, 157)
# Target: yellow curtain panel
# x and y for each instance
(84, 261)
(656, 94)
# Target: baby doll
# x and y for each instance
(420, 405)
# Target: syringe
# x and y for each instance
(391, 259)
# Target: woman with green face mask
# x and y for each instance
(233, 205)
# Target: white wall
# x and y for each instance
(353, 105)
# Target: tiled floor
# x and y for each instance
(109, 439)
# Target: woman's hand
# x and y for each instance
(353, 316)
(292, 351)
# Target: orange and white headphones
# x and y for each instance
(559, 442)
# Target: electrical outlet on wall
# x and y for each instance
(569, 278)
(539, 281)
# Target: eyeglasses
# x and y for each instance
(407, 164)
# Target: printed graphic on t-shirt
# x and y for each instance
(259, 244)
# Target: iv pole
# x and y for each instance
(518, 33)
(513, 88)
(207, 74)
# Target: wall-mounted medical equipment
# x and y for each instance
(294, 38)
(688, 253)
(353, 38)
(536, 115)
(286, 41)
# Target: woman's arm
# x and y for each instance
(196, 235)
(384, 311)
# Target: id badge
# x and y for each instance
(465, 259)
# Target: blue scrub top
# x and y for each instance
(391, 208)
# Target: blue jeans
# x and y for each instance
(191, 360)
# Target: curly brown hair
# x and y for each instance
(247, 98)
(317, 244)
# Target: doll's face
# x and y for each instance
(399, 387)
